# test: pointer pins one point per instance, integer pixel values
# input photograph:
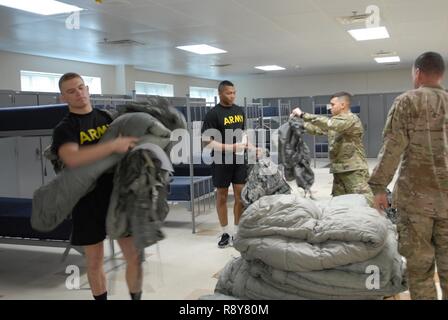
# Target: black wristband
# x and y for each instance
(301, 115)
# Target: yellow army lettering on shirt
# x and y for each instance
(92, 134)
(233, 119)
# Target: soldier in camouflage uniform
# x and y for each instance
(347, 156)
(416, 133)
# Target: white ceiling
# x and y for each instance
(290, 33)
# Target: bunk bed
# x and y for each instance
(15, 202)
(191, 184)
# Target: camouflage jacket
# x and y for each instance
(416, 133)
(294, 154)
(345, 132)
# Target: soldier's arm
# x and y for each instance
(324, 124)
(395, 141)
(316, 125)
(72, 155)
(314, 130)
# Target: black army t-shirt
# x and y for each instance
(222, 118)
(89, 214)
(83, 129)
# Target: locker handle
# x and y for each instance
(38, 155)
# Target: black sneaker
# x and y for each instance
(224, 241)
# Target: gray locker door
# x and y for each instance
(6, 99)
(47, 166)
(48, 98)
(25, 99)
(362, 100)
(376, 124)
(29, 165)
(306, 104)
(8, 164)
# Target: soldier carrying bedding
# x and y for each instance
(347, 155)
(75, 142)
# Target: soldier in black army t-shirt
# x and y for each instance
(226, 119)
(75, 142)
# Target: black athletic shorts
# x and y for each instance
(224, 174)
(89, 214)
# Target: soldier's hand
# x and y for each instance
(124, 144)
(296, 112)
(380, 202)
(239, 147)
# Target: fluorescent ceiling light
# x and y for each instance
(387, 59)
(43, 7)
(202, 49)
(369, 33)
(270, 68)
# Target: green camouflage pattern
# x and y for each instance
(352, 182)
(416, 133)
(345, 133)
(423, 241)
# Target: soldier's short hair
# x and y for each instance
(345, 95)
(225, 83)
(430, 63)
(68, 76)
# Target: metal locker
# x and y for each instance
(376, 124)
(9, 171)
(362, 100)
(6, 99)
(25, 99)
(29, 162)
(47, 167)
(48, 98)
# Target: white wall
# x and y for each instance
(181, 83)
(12, 63)
(120, 79)
(114, 79)
(355, 83)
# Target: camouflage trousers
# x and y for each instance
(352, 182)
(423, 241)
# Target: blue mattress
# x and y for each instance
(198, 170)
(15, 217)
(31, 118)
(180, 188)
(270, 111)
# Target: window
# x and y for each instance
(208, 94)
(321, 150)
(322, 109)
(48, 82)
(155, 89)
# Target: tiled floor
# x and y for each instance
(182, 266)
